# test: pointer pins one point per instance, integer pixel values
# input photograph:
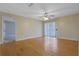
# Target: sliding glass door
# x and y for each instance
(50, 29)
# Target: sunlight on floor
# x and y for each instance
(51, 44)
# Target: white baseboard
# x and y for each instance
(25, 38)
(68, 38)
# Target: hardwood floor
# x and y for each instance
(44, 46)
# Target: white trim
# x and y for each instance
(25, 38)
(7, 18)
(2, 30)
(68, 38)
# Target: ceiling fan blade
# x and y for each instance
(51, 15)
(30, 4)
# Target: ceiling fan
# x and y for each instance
(45, 15)
(30, 4)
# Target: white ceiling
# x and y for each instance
(35, 11)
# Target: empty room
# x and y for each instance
(39, 29)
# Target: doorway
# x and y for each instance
(50, 29)
(9, 31)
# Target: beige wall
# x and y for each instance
(26, 27)
(0, 29)
(68, 27)
(78, 48)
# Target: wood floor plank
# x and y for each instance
(43, 46)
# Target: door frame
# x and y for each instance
(7, 18)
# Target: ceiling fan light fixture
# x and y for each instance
(45, 18)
